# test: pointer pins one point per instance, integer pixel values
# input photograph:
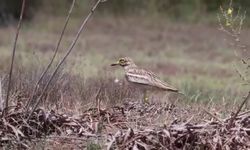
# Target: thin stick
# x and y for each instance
(1, 95)
(64, 58)
(239, 109)
(239, 115)
(53, 57)
(210, 114)
(13, 56)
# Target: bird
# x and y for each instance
(143, 79)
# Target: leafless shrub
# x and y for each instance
(231, 24)
(82, 27)
(53, 57)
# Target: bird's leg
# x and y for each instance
(145, 97)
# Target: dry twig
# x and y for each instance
(238, 111)
(13, 57)
(1, 95)
(210, 114)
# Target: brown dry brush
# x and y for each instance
(113, 125)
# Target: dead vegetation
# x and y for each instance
(124, 127)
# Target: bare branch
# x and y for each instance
(65, 57)
(1, 95)
(13, 56)
(238, 111)
(53, 57)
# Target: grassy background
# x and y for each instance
(193, 56)
(174, 10)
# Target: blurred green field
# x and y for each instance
(175, 10)
(196, 58)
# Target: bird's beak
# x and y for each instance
(115, 64)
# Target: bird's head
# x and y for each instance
(124, 62)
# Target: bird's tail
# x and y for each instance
(181, 93)
(177, 91)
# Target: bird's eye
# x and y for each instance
(122, 60)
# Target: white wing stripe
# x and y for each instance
(137, 76)
(138, 79)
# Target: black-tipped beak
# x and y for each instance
(115, 64)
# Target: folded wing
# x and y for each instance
(141, 76)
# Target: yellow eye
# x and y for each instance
(122, 60)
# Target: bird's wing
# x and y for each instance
(142, 76)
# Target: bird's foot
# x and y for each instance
(145, 100)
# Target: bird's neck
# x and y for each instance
(131, 66)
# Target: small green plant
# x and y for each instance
(93, 146)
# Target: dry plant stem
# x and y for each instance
(13, 57)
(213, 116)
(98, 100)
(72, 138)
(64, 58)
(239, 109)
(53, 57)
(1, 96)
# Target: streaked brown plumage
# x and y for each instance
(142, 78)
